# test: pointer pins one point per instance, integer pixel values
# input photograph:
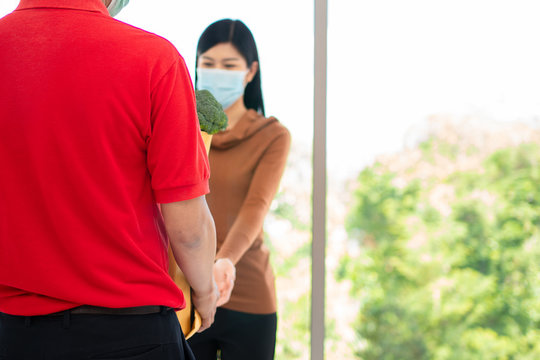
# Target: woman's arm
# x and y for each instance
(262, 190)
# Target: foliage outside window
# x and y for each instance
(449, 237)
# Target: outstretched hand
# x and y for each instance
(225, 275)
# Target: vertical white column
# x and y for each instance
(319, 183)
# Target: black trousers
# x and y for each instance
(72, 337)
(237, 336)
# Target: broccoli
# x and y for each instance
(212, 119)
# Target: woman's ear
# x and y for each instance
(252, 71)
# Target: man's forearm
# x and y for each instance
(192, 234)
(195, 254)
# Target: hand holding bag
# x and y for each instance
(189, 318)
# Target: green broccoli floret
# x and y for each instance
(212, 118)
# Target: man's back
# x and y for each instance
(90, 139)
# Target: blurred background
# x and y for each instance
(433, 169)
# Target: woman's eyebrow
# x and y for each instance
(205, 57)
(231, 59)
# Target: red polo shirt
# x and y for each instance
(97, 125)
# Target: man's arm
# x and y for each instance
(192, 233)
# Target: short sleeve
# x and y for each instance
(176, 156)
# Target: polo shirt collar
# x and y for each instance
(85, 5)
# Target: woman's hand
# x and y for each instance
(225, 275)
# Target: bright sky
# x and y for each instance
(392, 63)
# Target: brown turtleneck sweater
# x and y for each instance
(246, 165)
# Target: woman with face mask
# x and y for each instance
(247, 161)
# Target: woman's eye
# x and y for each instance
(207, 64)
(230, 66)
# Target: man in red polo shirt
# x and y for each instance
(97, 127)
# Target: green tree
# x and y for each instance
(461, 284)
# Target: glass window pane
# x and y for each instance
(433, 128)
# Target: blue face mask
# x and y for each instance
(115, 6)
(227, 86)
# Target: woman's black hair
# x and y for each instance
(238, 34)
